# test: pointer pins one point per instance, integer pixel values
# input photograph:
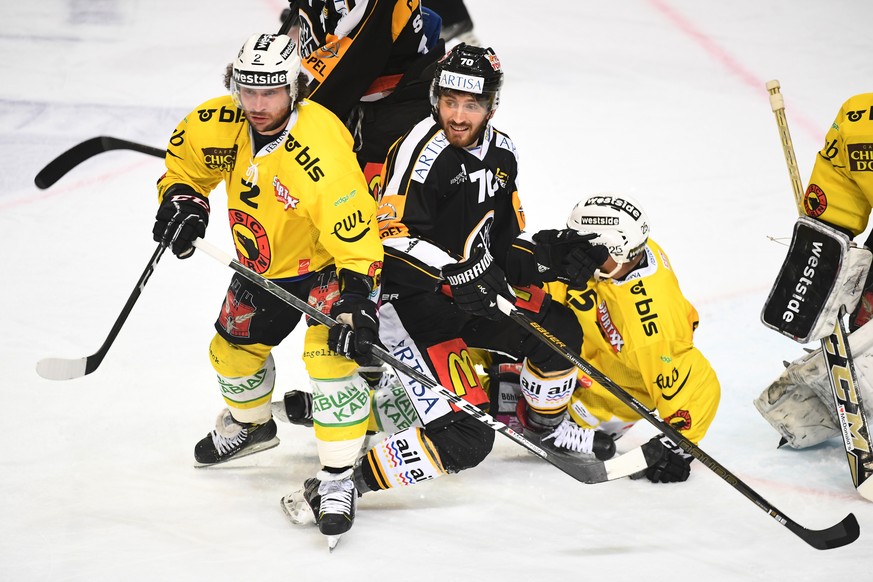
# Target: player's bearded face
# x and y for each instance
(267, 110)
(462, 118)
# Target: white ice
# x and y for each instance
(664, 99)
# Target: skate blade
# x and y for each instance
(332, 542)
(264, 446)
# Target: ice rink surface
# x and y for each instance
(663, 99)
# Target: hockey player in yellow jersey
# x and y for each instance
(301, 216)
(637, 329)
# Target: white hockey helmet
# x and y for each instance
(265, 61)
(618, 220)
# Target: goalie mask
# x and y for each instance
(265, 61)
(618, 222)
(469, 69)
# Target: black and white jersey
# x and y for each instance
(439, 202)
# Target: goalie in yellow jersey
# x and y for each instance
(301, 216)
(637, 329)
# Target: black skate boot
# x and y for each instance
(567, 439)
(232, 439)
(329, 500)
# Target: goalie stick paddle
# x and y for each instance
(595, 472)
(841, 534)
(67, 369)
(835, 348)
(61, 165)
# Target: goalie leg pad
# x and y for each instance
(822, 272)
(797, 413)
(805, 421)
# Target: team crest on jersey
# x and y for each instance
(608, 329)
(815, 202)
(680, 420)
(252, 244)
(283, 195)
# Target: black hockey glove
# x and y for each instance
(523, 266)
(673, 466)
(568, 256)
(181, 219)
(476, 282)
(357, 326)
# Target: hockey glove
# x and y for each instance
(476, 282)
(523, 266)
(673, 466)
(565, 255)
(357, 321)
(181, 219)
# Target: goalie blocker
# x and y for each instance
(823, 272)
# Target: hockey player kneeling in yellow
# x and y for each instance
(300, 215)
(637, 328)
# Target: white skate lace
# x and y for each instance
(225, 445)
(336, 496)
(572, 436)
(228, 434)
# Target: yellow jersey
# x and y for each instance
(639, 332)
(840, 190)
(296, 206)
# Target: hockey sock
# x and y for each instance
(547, 394)
(406, 458)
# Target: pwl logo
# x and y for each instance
(348, 225)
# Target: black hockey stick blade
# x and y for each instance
(61, 165)
(67, 369)
(836, 536)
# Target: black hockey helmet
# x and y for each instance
(470, 69)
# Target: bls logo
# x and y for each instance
(307, 159)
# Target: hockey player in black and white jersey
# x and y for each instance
(448, 215)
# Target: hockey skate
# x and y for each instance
(295, 408)
(568, 439)
(232, 439)
(329, 500)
